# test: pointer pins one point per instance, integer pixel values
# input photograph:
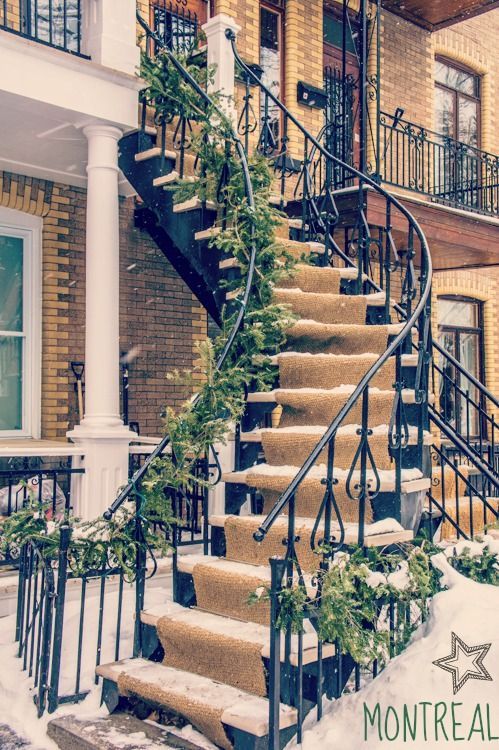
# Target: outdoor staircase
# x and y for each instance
(210, 648)
(207, 657)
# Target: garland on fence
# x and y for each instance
(352, 608)
(221, 394)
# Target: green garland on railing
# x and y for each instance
(221, 394)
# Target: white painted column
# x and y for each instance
(221, 56)
(109, 34)
(103, 438)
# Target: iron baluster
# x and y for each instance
(277, 571)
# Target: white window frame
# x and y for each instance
(29, 229)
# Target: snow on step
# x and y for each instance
(152, 153)
(258, 397)
(207, 234)
(377, 534)
(192, 204)
(171, 178)
(255, 436)
(412, 479)
(237, 629)
(239, 709)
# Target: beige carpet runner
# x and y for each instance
(310, 407)
(233, 661)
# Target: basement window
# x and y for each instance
(20, 324)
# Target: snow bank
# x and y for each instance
(470, 610)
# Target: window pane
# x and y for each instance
(11, 283)
(457, 313)
(49, 21)
(270, 62)
(11, 382)
(444, 112)
(456, 79)
(467, 121)
(333, 33)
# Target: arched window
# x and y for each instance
(460, 332)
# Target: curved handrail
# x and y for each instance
(392, 347)
(162, 445)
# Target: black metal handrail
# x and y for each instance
(447, 170)
(159, 450)
(420, 312)
(56, 23)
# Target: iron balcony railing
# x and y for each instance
(448, 171)
(57, 23)
(175, 26)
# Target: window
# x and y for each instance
(457, 98)
(56, 22)
(460, 329)
(19, 324)
(271, 44)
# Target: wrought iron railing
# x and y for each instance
(32, 479)
(176, 26)
(57, 23)
(466, 406)
(448, 171)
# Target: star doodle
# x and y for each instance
(464, 663)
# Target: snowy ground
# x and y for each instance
(469, 609)
(17, 709)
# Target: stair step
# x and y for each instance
(230, 628)
(153, 153)
(255, 436)
(270, 397)
(207, 234)
(412, 479)
(240, 710)
(377, 534)
(172, 178)
(111, 732)
(192, 205)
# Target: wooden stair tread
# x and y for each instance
(172, 178)
(375, 536)
(270, 397)
(193, 204)
(153, 153)
(241, 710)
(237, 629)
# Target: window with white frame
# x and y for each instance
(20, 324)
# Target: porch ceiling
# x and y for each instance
(435, 14)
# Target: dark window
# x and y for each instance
(457, 103)
(271, 36)
(460, 332)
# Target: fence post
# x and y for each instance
(62, 576)
(139, 575)
(277, 569)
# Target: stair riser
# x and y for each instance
(405, 508)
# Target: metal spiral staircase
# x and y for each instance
(346, 450)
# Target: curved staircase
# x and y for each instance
(339, 451)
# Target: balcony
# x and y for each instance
(447, 171)
(56, 23)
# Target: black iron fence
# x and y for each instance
(33, 479)
(175, 25)
(449, 171)
(57, 23)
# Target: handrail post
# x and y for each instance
(277, 569)
(62, 572)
